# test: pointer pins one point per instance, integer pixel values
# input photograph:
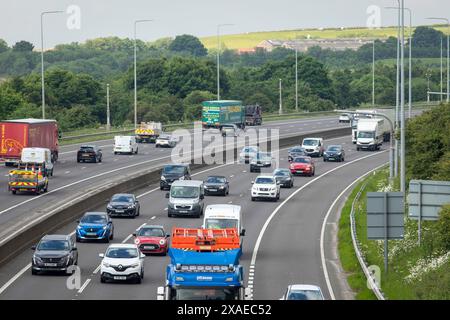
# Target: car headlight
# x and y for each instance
(162, 241)
(106, 265)
(221, 187)
(163, 178)
(134, 265)
(79, 227)
(37, 259)
(131, 206)
(137, 241)
(109, 206)
(105, 227)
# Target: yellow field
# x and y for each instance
(252, 39)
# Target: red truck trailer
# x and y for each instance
(18, 134)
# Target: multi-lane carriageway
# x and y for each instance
(290, 241)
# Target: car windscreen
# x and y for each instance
(264, 181)
(87, 149)
(301, 160)
(122, 253)
(310, 142)
(94, 218)
(304, 295)
(281, 173)
(163, 138)
(334, 149)
(185, 192)
(297, 150)
(53, 245)
(221, 223)
(215, 180)
(151, 232)
(366, 135)
(173, 169)
(122, 198)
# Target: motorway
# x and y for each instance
(72, 179)
(282, 243)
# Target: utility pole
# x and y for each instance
(373, 73)
(296, 75)
(280, 111)
(42, 59)
(108, 122)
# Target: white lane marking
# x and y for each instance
(277, 209)
(84, 285)
(22, 271)
(322, 231)
(82, 168)
(16, 276)
(97, 269)
(67, 172)
(115, 159)
(153, 218)
(232, 176)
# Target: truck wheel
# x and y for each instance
(14, 192)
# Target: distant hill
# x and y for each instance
(252, 39)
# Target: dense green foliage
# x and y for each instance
(188, 44)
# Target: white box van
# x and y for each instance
(223, 216)
(38, 157)
(125, 144)
(370, 134)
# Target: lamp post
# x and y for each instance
(135, 73)
(448, 55)
(373, 73)
(108, 122)
(42, 58)
(218, 56)
(280, 111)
(296, 75)
(402, 101)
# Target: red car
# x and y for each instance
(152, 239)
(303, 165)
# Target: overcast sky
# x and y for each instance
(20, 19)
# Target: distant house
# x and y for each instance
(246, 50)
(269, 45)
(302, 45)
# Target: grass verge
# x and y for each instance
(415, 272)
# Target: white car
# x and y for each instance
(122, 262)
(303, 292)
(165, 140)
(125, 144)
(248, 153)
(265, 187)
(345, 117)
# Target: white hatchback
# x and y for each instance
(122, 262)
(265, 187)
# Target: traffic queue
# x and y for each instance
(212, 250)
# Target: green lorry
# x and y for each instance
(215, 114)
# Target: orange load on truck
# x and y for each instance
(205, 239)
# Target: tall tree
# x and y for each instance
(188, 44)
(23, 46)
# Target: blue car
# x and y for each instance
(95, 226)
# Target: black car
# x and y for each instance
(334, 153)
(125, 205)
(54, 253)
(216, 185)
(295, 152)
(172, 172)
(89, 153)
(285, 177)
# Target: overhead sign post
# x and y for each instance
(425, 200)
(385, 218)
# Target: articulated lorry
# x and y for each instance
(148, 132)
(204, 266)
(18, 134)
(215, 114)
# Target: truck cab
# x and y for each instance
(370, 134)
(204, 266)
(253, 115)
(148, 132)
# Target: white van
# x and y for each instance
(125, 144)
(222, 216)
(371, 133)
(41, 157)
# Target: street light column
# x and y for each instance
(402, 102)
(218, 56)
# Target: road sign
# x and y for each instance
(426, 198)
(385, 218)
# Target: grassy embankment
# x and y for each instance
(415, 272)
